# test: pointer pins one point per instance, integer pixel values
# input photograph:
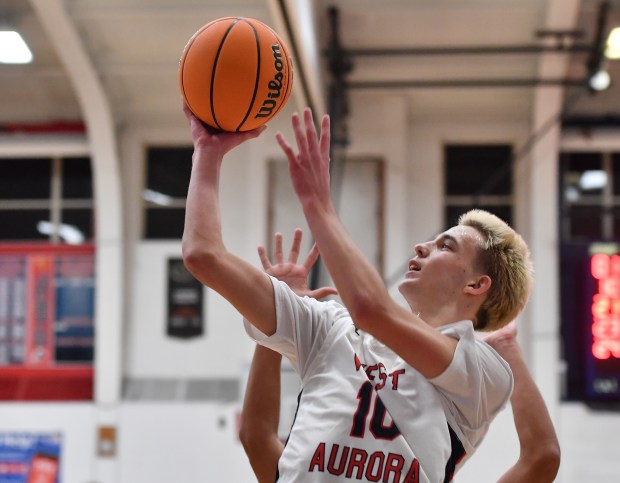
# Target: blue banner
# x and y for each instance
(30, 458)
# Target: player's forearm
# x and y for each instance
(539, 448)
(530, 412)
(261, 414)
(248, 289)
(203, 233)
(261, 404)
(359, 285)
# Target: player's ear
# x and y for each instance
(479, 285)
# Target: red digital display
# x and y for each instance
(606, 306)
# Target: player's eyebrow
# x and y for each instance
(446, 236)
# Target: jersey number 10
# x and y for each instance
(377, 425)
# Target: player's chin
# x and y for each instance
(406, 286)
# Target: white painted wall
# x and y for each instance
(162, 443)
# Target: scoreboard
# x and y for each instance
(590, 308)
(604, 370)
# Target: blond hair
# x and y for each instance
(505, 257)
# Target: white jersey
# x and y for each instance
(366, 415)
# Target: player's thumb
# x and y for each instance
(323, 292)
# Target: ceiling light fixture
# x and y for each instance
(13, 49)
(612, 49)
(600, 81)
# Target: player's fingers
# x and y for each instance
(264, 259)
(311, 136)
(286, 147)
(312, 257)
(302, 142)
(325, 137)
(253, 133)
(278, 254)
(295, 246)
(186, 111)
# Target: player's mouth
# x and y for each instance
(414, 266)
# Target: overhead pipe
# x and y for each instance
(469, 83)
(470, 50)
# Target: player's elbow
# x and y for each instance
(252, 438)
(361, 308)
(247, 437)
(367, 311)
(550, 461)
(200, 261)
(545, 462)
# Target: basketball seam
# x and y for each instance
(258, 65)
(217, 56)
(186, 53)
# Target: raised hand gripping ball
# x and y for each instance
(235, 74)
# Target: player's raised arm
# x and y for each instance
(539, 455)
(245, 286)
(361, 288)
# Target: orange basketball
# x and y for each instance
(235, 74)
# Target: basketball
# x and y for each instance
(235, 74)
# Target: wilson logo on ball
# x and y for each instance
(235, 74)
(274, 85)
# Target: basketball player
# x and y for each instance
(539, 456)
(389, 394)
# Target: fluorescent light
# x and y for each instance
(612, 51)
(13, 49)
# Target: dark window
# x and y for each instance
(164, 224)
(25, 179)
(478, 170)
(80, 219)
(579, 173)
(585, 222)
(168, 171)
(615, 166)
(589, 196)
(46, 199)
(77, 178)
(22, 224)
(477, 176)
